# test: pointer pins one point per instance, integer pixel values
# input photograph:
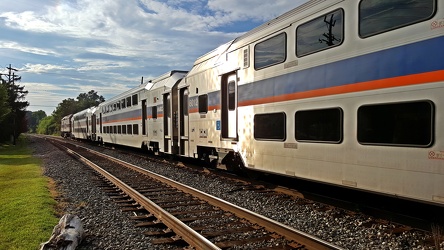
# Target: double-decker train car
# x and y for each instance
(348, 93)
(83, 124)
(136, 118)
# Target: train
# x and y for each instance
(342, 92)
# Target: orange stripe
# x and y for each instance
(356, 87)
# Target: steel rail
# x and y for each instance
(309, 241)
(185, 232)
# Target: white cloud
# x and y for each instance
(43, 68)
(24, 48)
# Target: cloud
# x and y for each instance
(27, 49)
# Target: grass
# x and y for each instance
(27, 209)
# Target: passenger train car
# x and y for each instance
(348, 93)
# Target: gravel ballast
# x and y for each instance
(106, 227)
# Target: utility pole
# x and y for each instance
(11, 79)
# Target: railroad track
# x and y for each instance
(178, 214)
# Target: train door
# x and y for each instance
(229, 106)
(144, 117)
(166, 122)
(184, 121)
(93, 127)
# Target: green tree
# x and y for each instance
(47, 126)
(72, 106)
(14, 123)
(4, 106)
(33, 119)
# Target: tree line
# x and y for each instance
(14, 119)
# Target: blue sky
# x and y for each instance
(66, 47)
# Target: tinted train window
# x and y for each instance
(135, 129)
(123, 103)
(203, 104)
(129, 129)
(321, 125)
(271, 51)
(322, 33)
(270, 126)
(154, 112)
(135, 100)
(398, 124)
(128, 101)
(377, 16)
(124, 129)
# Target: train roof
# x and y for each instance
(168, 80)
(212, 58)
(67, 117)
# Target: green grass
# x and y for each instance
(27, 210)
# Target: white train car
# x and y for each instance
(161, 103)
(136, 117)
(120, 118)
(343, 92)
(82, 123)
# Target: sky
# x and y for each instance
(62, 48)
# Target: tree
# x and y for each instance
(4, 106)
(90, 99)
(33, 119)
(12, 124)
(71, 106)
(47, 126)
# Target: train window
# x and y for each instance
(154, 112)
(119, 129)
(397, 124)
(319, 34)
(124, 129)
(115, 130)
(319, 125)
(135, 100)
(123, 103)
(135, 129)
(114, 107)
(270, 126)
(203, 104)
(377, 16)
(232, 95)
(128, 101)
(129, 129)
(185, 103)
(270, 52)
(118, 105)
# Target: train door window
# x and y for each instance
(129, 129)
(377, 16)
(128, 101)
(203, 104)
(319, 34)
(319, 125)
(135, 129)
(154, 112)
(135, 99)
(271, 51)
(270, 127)
(124, 129)
(232, 95)
(123, 103)
(407, 124)
(185, 103)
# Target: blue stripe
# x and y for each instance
(420, 57)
